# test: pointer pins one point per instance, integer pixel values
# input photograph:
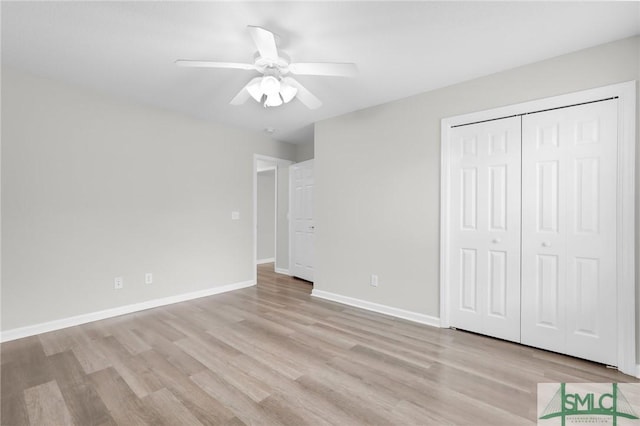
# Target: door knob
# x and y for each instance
(496, 240)
(546, 244)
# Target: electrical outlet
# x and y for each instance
(118, 283)
(148, 278)
(374, 280)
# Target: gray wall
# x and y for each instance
(94, 188)
(304, 151)
(266, 212)
(378, 175)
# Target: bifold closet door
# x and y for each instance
(485, 228)
(569, 230)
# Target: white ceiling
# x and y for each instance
(128, 49)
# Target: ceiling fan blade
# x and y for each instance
(265, 42)
(212, 64)
(305, 96)
(324, 68)
(244, 93)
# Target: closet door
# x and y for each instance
(485, 228)
(569, 230)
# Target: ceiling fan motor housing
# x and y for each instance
(263, 65)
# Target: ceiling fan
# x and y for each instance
(275, 86)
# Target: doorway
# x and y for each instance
(270, 213)
(266, 211)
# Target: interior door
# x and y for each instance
(485, 228)
(303, 225)
(569, 230)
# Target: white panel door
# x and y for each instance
(569, 230)
(303, 225)
(485, 230)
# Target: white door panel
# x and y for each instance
(569, 230)
(543, 238)
(302, 250)
(485, 249)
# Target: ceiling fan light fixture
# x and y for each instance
(270, 85)
(287, 92)
(273, 100)
(255, 90)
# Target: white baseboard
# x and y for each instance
(30, 330)
(261, 261)
(375, 307)
(282, 271)
(638, 371)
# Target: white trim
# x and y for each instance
(375, 307)
(31, 330)
(445, 208)
(262, 261)
(626, 93)
(589, 95)
(626, 228)
(275, 216)
(282, 271)
(289, 211)
(268, 169)
(638, 371)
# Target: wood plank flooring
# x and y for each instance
(271, 355)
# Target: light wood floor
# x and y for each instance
(271, 354)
